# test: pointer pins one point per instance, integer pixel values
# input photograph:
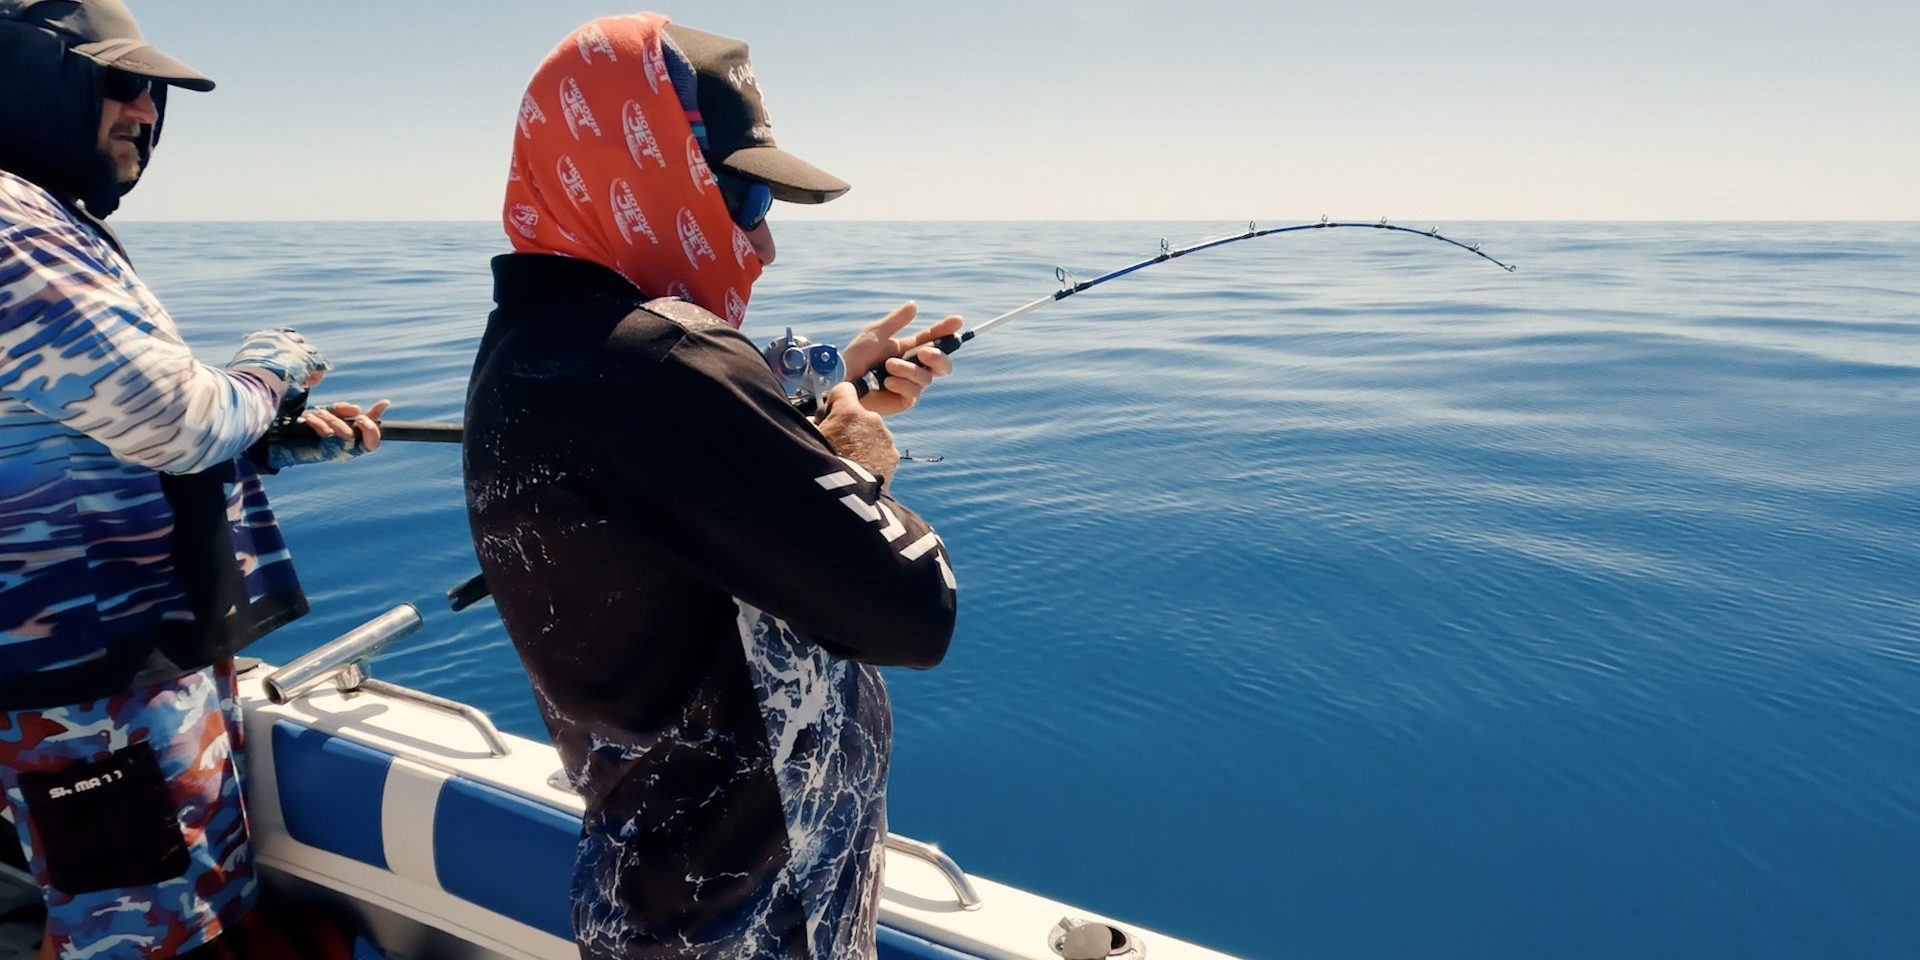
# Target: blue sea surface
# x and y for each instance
(1327, 595)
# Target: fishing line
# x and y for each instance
(1071, 286)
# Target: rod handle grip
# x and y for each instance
(947, 345)
(469, 592)
(419, 432)
(286, 431)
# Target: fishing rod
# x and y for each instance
(807, 370)
(1071, 286)
(287, 430)
(411, 431)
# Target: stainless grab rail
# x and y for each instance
(347, 663)
(496, 744)
(928, 853)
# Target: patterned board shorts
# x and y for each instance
(129, 812)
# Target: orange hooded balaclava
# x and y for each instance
(608, 167)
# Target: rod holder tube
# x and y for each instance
(344, 655)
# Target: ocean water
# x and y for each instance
(1327, 595)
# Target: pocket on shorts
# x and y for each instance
(108, 823)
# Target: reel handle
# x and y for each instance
(947, 344)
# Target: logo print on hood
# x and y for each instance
(640, 139)
(693, 242)
(530, 114)
(573, 104)
(594, 40)
(572, 180)
(627, 215)
(741, 247)
(697, 165)
(596, 136)
(654, 65)
(524, 219)
(736, 309)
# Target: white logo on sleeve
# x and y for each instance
(736, 309)
(679, 288)
(891, 529)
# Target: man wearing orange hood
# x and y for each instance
(700, 580)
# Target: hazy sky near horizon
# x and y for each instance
(1083, 109)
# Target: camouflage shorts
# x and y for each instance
(158, 756)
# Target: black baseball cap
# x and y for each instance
(104, 31)
(739, 135)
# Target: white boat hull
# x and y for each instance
(405, 813)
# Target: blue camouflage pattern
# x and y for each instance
(281, 455)
(192, 722)
(285, 354)
(98, 396)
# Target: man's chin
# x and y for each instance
(126, 166)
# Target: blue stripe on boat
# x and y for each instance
(895, 945)
(506, 853)
(330, 791)
(497, 850)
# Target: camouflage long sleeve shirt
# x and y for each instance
(100, 401)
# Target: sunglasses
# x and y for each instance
(747, 200)
(124, 87)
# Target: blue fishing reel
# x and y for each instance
(804, 369)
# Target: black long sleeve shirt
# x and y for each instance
(700, 591)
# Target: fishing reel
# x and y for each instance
(804, 369)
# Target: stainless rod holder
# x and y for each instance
(928, 853)
(345, 660)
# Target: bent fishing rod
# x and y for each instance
(1071, 286)
(807, 370)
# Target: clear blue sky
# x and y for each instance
(1100, 109)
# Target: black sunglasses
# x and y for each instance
(124, 87)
